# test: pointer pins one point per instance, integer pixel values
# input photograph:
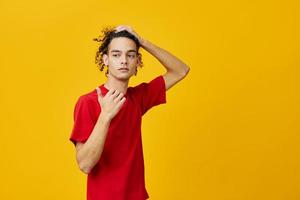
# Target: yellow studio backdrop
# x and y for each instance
(230, 130)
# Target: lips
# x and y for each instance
(123, 69)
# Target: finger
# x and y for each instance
(129, 28)
(119, 97)
(120, 103)
(115, 94)
(99, 92)
(110, 92)
(118, 28)
(121, 28)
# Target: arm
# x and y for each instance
(89, 153)
(176, 69)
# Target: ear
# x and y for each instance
(138, 61)
(105, 59)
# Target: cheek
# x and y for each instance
(135, 60)
(112, 61)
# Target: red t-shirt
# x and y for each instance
(119, 173)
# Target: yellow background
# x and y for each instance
(229, 131)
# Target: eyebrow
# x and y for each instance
(118, 51)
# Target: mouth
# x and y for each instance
(123, 69)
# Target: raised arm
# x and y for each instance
(176, 69)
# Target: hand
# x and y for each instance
(111, 103)
(130, 30)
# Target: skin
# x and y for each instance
(121, 55)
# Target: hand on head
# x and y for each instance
(128, 29)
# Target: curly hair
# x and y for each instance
(108, 33)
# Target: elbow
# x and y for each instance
(84, 166)
(184, 72)
(85, 169)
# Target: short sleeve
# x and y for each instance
(84, 120)
(152, 93)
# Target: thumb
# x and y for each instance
(99, 93)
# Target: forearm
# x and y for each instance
(90, 153)
(169, 61)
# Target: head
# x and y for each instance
(116, 51)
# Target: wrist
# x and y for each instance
(143, 42)
(103, 117)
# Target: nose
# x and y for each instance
(123, 60)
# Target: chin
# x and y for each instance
(123, 77)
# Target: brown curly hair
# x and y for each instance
(108, 33)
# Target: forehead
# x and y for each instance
(122, 44)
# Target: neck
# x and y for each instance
(116, 84)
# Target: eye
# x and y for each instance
(115, 55)
(131, 56)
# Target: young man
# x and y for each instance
(107, 120)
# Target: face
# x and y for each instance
(122, 59)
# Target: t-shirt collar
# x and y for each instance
(104, 90)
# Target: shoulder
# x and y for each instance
(88, 98)
(158, 80)
(136, 91)
(146, 89)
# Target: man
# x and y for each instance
(107, 120)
